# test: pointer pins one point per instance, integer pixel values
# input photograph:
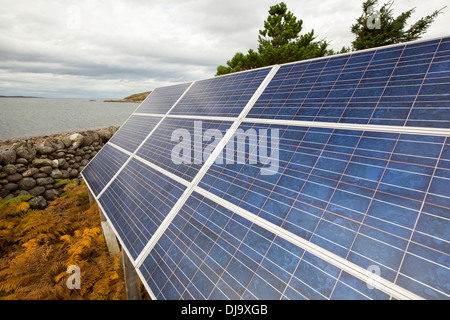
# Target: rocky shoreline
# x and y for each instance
(36, 167)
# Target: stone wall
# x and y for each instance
(33, 166)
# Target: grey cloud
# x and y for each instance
(131, 45)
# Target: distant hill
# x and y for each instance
(18, 97)
(138, 97)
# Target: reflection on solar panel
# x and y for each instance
(103, 167)
(356, 204)
(209, 252)
(221, 96)
(160, 100)
(139, 199)
(401, 85)
(158, 147)
(134, 131)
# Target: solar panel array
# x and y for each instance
(342, 191)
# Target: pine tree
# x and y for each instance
(376, 28)
(279, 42)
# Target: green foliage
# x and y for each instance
(279, 42)
(12, 202)
(241, 62)
(66, 181)
(379, 28)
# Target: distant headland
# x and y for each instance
(18, 97)
(138, 97)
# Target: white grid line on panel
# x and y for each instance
(202, 117)
(128, 153)
(358, 127)
(423, 81)
(385, 86)
(371, 49)
(118, 171)
(144, 282)
(419, 215)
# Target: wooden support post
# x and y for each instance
(132, 283)
(91, 199)
(108, 233)
(110, 238)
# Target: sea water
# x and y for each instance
(33, 117)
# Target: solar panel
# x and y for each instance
(321, 179)
(134, 131)
(137, 201)
(209, 252)
(100, 170)
(357, 194)
(221, 96)
(160, 147)
(160, 100)
(402, 85)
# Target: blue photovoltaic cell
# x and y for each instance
(103, 167)
(400, 85)
(427, 257)
(136, 203)
(357, 194)
(432, 107)
(209, 252)
(162, 99)
(133, 132)
(181, 146)
(221, 96)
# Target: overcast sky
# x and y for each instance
(114, 48)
